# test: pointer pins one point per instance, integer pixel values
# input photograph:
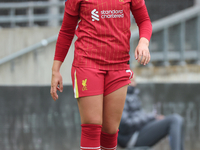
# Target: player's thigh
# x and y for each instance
(115, 89)
(88, 85)
(113, 105)
(90, 108)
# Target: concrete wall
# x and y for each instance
(33, 68)
(31, 120)
(15, 39)
(197, 2)
(170, 74)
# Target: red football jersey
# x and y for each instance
(103, 32)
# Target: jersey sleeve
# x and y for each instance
(65, 36)
(143, 21)
(136, 4)
(72, 7)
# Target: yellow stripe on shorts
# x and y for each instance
(76, 94)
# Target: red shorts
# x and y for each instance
(90, 81)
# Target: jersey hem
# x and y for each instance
(116, 67)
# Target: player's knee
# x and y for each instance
(92, 120)
(110, 129)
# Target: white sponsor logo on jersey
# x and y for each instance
(95, 15)
(107, 14)
(112, 14)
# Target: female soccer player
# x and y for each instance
(100, 71)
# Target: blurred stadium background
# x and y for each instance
(31, 120)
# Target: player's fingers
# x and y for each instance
(61, 86)
(136, 54)
(54, 93)
(143, 58)
(146, 60)
(140, 56)
(51, 91)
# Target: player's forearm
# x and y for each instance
(56, 66)
(144, 40)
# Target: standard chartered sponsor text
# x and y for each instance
(112, 14)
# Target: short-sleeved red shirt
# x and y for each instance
(103, 32)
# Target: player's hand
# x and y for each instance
(160, 117)
(142, 54)
(56, 84)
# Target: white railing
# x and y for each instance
(26, 50)
(52, 17)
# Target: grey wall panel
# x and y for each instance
(31, 120)
(183, 99)
(161, 8)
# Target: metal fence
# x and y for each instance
(31, 13)
(175, 39)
